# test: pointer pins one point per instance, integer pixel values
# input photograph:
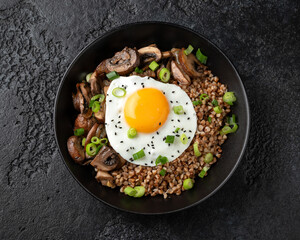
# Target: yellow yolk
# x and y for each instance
(146, 110)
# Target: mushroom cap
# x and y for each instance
(105, 178)
(85, 123)
(179, 74)
(75, 149)
(122, 62)
(149, 54)
(188, 63)
(106, 159)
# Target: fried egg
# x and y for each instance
(148, 107)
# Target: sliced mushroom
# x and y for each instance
(179, 74)
(189, 63)
(149, 54)
(105, 89)
(95, 84)
(100, 132)
(105, 178)
(75, 149)
(106, 159)
(100, 115)
(167, 54)
(82, 98)
(121, 162)
(147, 73)
(78, 101)
(122, 62)
(85, 123)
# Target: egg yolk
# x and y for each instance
(146, 110)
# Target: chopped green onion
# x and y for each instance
(229, 98)
(196, 149)
(91, 149)
(188, 184)
(99, 147)
(88, 76)
(137, 70)
(95, 140)
(112, 75)
(178, 110)
(234, 128)
(153, 66)
(232, 120)
(91, 103)
(204, 96)
(170, 139)
(201, 57)
(162, 172)
(140, 191)
(208, 157)
(100, 97)
(79, 131)
(209, 119)
(119, 92)
(161, 159)
(177, 130)
(131, 133)
(164, 75)
(96, 106)
(203, 171)
(130, 191)
(183, 138)
(138, 154)
(198, 102)
(83, 142)
(104, 141)
(188, 50)
(227, 129)
(217, 109)
(215, 102)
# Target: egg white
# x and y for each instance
(152, 143)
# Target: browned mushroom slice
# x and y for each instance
(121, 162)
(100, 132)
(75, 149)
(179, 74)
(147, 73)
(149, 54)
(122, 62)
(189, 63)
(95, 84)
(106, 159)
(105, 178)
(86, 91)
(85, 123)
(167, 54)
(78, 101)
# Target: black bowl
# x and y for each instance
(166, 36)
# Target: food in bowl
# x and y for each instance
(150, 121)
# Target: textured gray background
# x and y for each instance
(40, 199)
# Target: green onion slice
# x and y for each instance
(204, 96)
(164, 75)
(217, 109)
(83, 142)
(131, 133)
(188, 50)
(201, 57)
(140, 191)
(79, 131)
(130, 191)
(161, 160)
(95, 140)
(104, 141)
(153, 66)
(208, 157)
(183, 138)
(96, 106)
(112, 75)
(209, 119)
(215, 102)
(196, 149)
(177, 130)
(99, 147)
(188, 184)
(88, 76)
(229, 98)
(91, 149)
(162, 172)
(138, 154)
(137, 70)
(197, 102)
(100, 97)
(203, 171)
(119, 92)
(170, 139)
(178, 110)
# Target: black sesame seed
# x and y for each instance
(177, 135)
(116, 126)
(134, 83)
(122, 85)
(127, 150)
(119, 122)
(110, 100)
(144, 87)
(159, 123)
(171, 101)
(149, 152)
(148, 145)
(164, 92)
(146, 164)
(184, 131)
(178, 120)
(169, 144)
(115, 133)
(157, 133)
(172, 155)
(178, 151)
(173, 91)
(188, 118)
(186, 103)
(148, 77)
(152, 137)
(105, 123)
(184, 113)
(189, 137)
(132, 147)
(119, 116)
(121, 141)
(176, 101)
(172, 120)
(144, 148)
(112, 120)
(190, 131)
(151, 161)
(120, 127)
(164, 138)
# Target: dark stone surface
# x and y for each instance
(39, 198)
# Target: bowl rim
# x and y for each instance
(124, 26)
